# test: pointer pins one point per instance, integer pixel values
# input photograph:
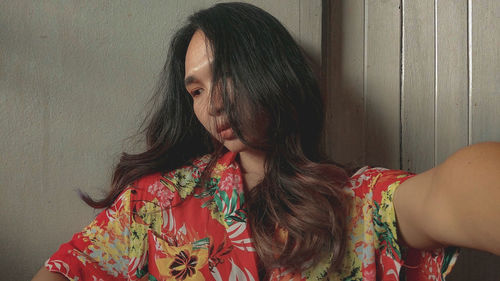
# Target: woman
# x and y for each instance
(233, 186)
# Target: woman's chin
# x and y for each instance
(234, 145)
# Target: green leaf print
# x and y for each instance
(234, 198)
(381, 230)
(209, 191)
(218, 202)
(142, 271)
(201, 244)
(224, 197)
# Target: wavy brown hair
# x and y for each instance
(271, 83)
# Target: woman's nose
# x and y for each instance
(216, 105)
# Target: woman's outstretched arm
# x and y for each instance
(456, 203)
(45, 275)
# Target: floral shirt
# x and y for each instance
(164, 227)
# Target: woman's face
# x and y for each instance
(198, 81)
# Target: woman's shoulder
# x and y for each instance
(173, 185)
(375, 180)
(374, 250)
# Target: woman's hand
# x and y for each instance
(456, 203)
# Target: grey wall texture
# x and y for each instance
(75, 77)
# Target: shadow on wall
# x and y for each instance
(358, 130)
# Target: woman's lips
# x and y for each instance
(227, 134)
(225, 131)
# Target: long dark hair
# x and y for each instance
(262, 75)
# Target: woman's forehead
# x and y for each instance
(198, 55)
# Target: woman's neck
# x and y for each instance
(252, 167)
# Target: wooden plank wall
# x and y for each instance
(407, 83)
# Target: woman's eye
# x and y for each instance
(196, 92)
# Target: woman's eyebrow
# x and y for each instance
(189, 80)
(192, 79)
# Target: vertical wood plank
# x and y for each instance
(484, 106)
(418, 86)
(485, 84)
(382, 82)
(310, 30)
(452, 76)
(452, 117)
(343, 76)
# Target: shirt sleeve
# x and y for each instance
(101, 250)
(392, 255)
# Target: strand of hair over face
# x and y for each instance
(271, 80)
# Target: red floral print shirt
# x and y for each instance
(165, 227)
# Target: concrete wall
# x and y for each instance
(74, 80)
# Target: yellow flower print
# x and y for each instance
(184, 182)
(387, 213)
(138, 236)
(109, 241)
(216, 214)
(218, 169)
(181, 263)
(148, 216)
